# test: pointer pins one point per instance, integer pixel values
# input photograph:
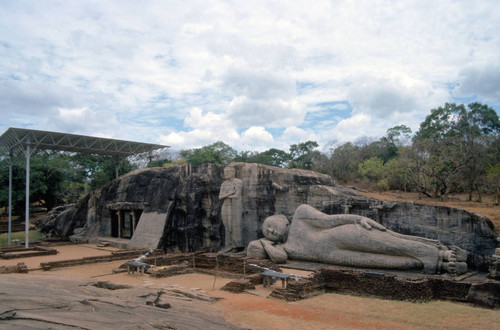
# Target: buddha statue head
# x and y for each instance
(275, 228)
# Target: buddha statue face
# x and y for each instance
(229, 173)
(275, 228)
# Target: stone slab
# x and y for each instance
(149, 231)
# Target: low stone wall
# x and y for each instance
(121, 255)
(19, 268)
(298, 290)
(238, 286)
(333, 279)
(174, 270)
(389, 286)
(221, 262)
(22, 252)
(365, 283)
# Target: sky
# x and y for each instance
(253, 74)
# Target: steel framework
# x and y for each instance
(27, 140)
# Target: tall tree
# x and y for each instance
(451, 144)
(399, 135)
(216, 153)
(303, 155)
(271, 157)
(343, 162)
(50, 176)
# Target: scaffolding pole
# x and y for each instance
(27, 210)
(11, 159)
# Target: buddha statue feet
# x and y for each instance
(453, 261)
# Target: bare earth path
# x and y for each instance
(328, 311)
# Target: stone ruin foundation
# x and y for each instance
(472, 288)
(409, 286)
(22, 252)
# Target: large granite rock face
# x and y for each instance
(178, 208)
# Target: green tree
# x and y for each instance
(50, 176)
(303, 155)
(273, 157)
(401, 171)
(343, 162)
(399, 135)
(216, 153)
(493, 175)
(451, 146)
(97, 170)
(372, 168)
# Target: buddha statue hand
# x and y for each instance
(369, 224)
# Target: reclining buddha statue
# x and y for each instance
(351, 240)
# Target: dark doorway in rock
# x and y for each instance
(124, 222)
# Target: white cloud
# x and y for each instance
(256, 138)
(204, 128)
(83, 121)
(294, 135)
(482, 81)
(254, 74)
(354, 127)
(262, 98)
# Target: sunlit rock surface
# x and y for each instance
(178, 208)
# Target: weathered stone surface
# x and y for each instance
(27, 304)
(231, 213)
(485, 294)
(469, 231)
(120, 255)
(189, 198)
(47, 223)
(238, 286)
(298, 290)
(19, 268)
(494, 271)
(149, 231)
(391, 286)
(173, 270)
(20, 252)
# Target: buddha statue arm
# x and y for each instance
(317, 219)
(237, 187)
(230, 189)
(275, 252)
(227, 191)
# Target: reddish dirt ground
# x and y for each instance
(327, 311)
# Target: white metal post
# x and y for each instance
(10, 196)
(27, 216)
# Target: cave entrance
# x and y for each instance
(124, 222)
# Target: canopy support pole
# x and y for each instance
(11, 159)
(27, 216)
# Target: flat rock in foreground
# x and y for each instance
(43, 302)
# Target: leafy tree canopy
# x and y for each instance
(216, 153)
(302, 155)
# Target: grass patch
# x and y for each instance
(20, 235)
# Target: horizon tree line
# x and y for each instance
(455, 150)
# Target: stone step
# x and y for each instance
(120, 243)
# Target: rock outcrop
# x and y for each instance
(178, 208)
(28, 303)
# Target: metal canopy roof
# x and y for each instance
(25, 139)
(18, 138)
